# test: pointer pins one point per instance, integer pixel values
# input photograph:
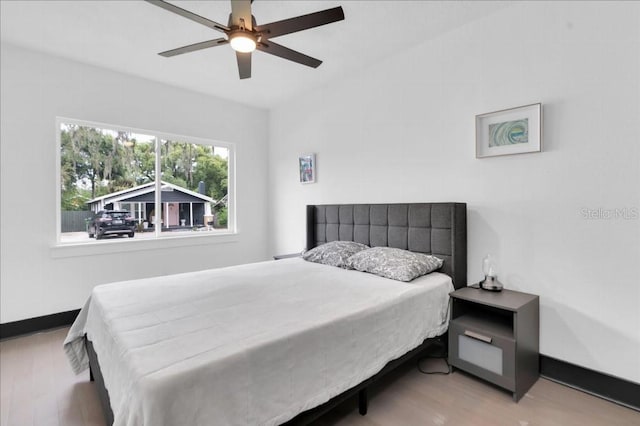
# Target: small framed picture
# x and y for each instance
(307, 165)
(509, 131)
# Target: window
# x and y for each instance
(122, 183)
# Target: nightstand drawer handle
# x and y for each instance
(477, 336)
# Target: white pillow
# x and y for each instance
(394, 263)
(334, 253)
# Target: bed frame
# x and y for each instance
(432, 228)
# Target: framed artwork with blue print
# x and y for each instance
(307, 167)
(509, 131)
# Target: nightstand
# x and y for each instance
(495, 336)
(286, 256)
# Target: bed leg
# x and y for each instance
(91, 379)
(363, 402)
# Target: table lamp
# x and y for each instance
(490, 270)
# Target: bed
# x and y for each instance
(272, 342)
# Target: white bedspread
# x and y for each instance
(253, 344)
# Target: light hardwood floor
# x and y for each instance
(38, 388)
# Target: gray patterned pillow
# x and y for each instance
(397, 264)
(334, 253)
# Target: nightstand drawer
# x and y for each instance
(482, 352)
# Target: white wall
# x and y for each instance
(35, 89)
(403, 131)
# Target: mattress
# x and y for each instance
(253, 344)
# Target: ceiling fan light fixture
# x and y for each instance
(242, 41)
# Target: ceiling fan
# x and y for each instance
(245, 36)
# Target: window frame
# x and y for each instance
(160, 239)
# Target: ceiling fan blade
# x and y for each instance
(241, 11)
(194, 47)
(304, 22)
(244, 64)
(189, 15)
(284, 52)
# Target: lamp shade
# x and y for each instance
(489, 266)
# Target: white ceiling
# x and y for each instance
(127, 35)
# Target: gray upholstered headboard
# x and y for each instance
(432, 228)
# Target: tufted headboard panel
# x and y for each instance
(432, 228)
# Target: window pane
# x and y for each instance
(105, 170)
(194, 187)
(108, 184)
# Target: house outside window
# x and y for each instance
(167, 185)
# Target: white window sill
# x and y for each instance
(122, 245)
